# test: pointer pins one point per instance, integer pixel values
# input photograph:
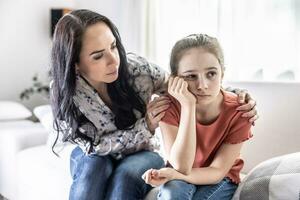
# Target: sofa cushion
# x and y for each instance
(276, 178)
(14, 137)
(42, 175)
(45, 116)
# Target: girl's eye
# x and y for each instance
(211, 74)
(190, 77)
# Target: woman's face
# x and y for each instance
(99, 57)
(203, 73)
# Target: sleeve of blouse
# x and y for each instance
(240, 131)
(159, 78)
(147, 76)
(122, 142)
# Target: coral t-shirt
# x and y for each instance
(229, 127)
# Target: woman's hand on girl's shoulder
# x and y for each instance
(156, 110)
(248, 105)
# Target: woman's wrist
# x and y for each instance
(149, 125)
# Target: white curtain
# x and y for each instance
(260, 38)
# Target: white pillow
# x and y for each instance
(10, 110)
(45, 116)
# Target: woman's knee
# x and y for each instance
(139, 162)
(97, 166)
(134, 166)
(90, 166)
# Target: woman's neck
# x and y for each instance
(207, 114)
(101, 89)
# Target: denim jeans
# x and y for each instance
(182, 190)
(102, 177)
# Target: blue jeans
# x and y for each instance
(102, 177)
(182, 190)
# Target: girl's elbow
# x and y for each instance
(220, 176)
(183, 169)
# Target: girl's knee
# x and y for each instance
(176, 190)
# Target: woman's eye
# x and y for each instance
(97, 57)
(114, 46)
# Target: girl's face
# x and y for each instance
(203, 73)
(99, 56)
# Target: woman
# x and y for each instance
(202, 130)
(99, 97)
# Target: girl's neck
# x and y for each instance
(207, 114)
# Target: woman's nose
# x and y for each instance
(112, 58)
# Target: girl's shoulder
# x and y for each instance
(230, 103)
(230, 99)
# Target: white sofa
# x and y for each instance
(41, 175)
(16, 136)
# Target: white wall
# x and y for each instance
(126, 15)
(277, 132)
(25, 38)
(24, 44)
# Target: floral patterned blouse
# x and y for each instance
(147, 80)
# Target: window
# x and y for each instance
(260, 39)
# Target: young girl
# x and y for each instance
(202, 130)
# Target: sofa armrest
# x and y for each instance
(12, 140)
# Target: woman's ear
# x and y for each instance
(76, 68)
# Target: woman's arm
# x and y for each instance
(121, 142)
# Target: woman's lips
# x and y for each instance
(113, 73)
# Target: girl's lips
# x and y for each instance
(203, 95)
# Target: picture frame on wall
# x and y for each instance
(56, 14)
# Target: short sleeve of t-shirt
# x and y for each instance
(240, 131)
(172, 115)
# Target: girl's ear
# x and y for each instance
(223, 70)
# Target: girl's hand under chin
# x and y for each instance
(178, 88)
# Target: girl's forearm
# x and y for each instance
(182, 153)
(202, 176)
